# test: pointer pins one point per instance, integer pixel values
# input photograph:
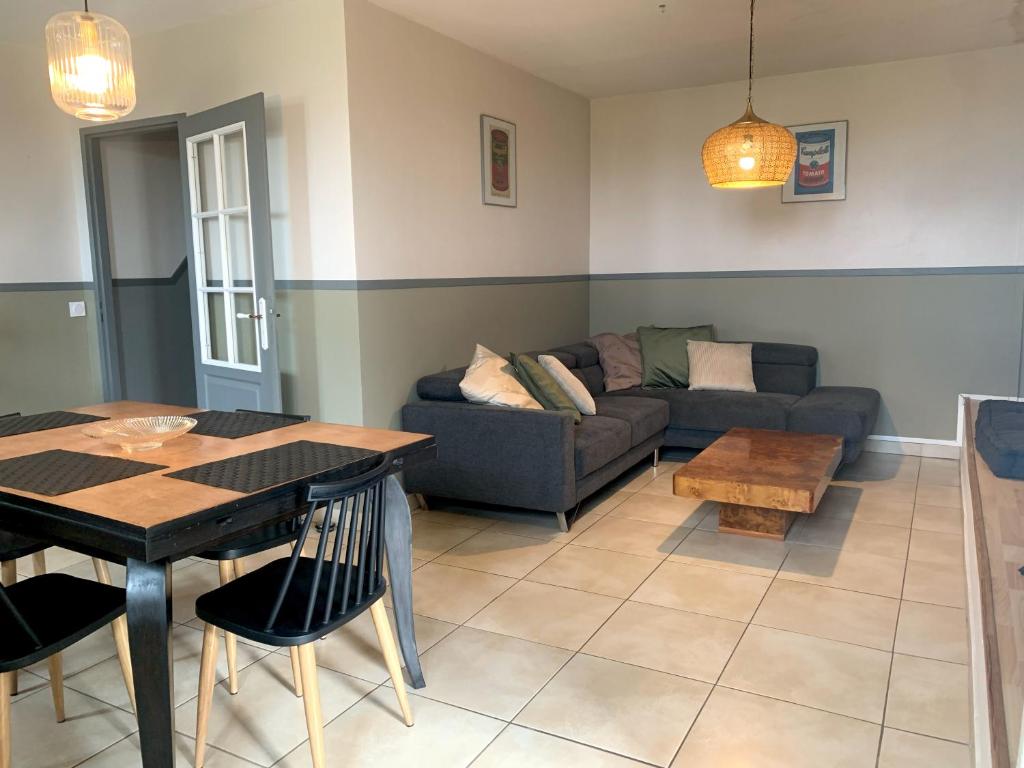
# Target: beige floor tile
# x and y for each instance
(741, 729)
(850, 502)
(940, 472)
(461, 519)
(678, 642)
(125, 754)
(939, 548)
(188, 584)
(941, 519)
(265, 721)
(834, 614)
(662, 485)
(96, 648)
(37, 739)
(934, 583)
(710, 521)
(928, 697)
(710, 591)
(372, 735)
(495, 675)
(635, 712)
(731, 552)
(500, 553)
(824, 674)
(545, 527)
(933, 631)
(518, 747)
(354, 649)
(880, 467)
(857, 571)
(57, 559)
(432, 539)
(667, 510)
(882, 491)
(853, 536)
(418, 563)
(595, 570)
(634, 537)
(565, 618)
(911, 750)
(104, 681)
(939, 495)
(453, 594)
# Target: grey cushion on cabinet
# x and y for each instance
(999, 437)
(646, 416)
(599, 439)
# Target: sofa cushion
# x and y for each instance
(726, 367)
(846, 411)
(592, 377)
(788, 368)
(721, 411)
(646, 416)
(999, 437)
(574, 389)
(620, 360)
(599, 439)
(491, 379)
(542, 386)
(584, 353)
(442, 386)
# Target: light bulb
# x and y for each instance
(747, 163)
(92, 73)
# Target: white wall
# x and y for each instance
(935, 176)
(415, 101)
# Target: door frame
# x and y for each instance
(99, 239)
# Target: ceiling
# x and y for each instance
(607, 47)
(22, 21)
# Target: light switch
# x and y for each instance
(76, 309)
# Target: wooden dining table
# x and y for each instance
(151, 520)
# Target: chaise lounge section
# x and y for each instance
(542, 461)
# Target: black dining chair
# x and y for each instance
(41, 616)
(229, 554)
(294, 601)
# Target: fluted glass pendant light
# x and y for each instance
(750, 152)
(90, 62)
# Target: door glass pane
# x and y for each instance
(238, 248)
(233, 155)
(216, 327)
(207, 172)
(245, 328)
(214, 268)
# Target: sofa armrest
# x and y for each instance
(486, 453)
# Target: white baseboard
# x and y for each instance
(913, 446)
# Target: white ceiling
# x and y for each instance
(22, 21)
(606, 47)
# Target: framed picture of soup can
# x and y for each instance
(498, 161)
(820, 169)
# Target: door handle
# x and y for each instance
(262, 318)
(243, 316)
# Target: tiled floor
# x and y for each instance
(641, 637)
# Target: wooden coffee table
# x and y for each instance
(763, 478)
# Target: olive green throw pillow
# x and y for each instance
(665, 361)
(543, 386)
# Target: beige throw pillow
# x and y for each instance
(572, 386)
(620, 360)
(721, 366)
(489, 379)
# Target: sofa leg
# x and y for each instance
(562, 522)
(656, 457)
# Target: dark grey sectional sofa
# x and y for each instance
(541, 460)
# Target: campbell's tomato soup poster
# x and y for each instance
(819, 172)
(815, 152)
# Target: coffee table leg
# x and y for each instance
(398, 541)
(754, 521)
(149, 635)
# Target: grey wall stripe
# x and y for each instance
(455, 282)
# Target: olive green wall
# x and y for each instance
(919, 339)
(409, 332)
(47, 359)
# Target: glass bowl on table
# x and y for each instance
(143, 433)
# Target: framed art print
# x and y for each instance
(820, 169)
(498, 161)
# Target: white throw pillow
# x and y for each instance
(572, 386)
(721, 366)
(489, 379)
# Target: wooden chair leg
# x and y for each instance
(56, 665)
(119, 628)
(311, 702)
(391, 659)
(9, 576)
(5, 718)
(39, 563)
(207, 680)
(227, 574)
(296, 670)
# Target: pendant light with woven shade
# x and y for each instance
(750, 152)
(90, 62)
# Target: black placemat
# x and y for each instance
(52, 473)
(231, 424)
(21, 425)
(272, 466)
